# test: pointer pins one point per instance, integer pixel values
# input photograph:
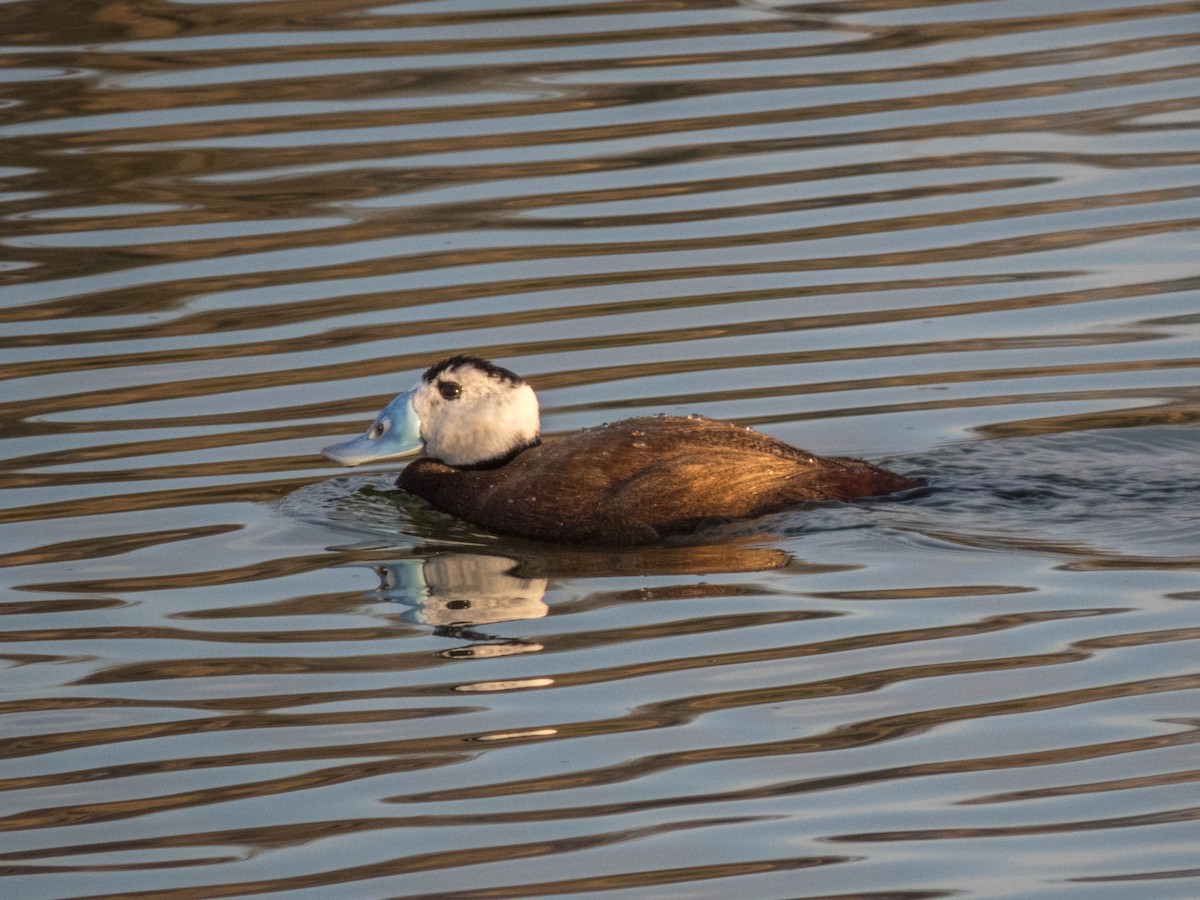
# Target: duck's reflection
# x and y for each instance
(457, 593)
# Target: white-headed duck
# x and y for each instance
(631, 482)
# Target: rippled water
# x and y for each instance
(955, 238)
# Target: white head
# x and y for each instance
(465, 412)
(473, 412)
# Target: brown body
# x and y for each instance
(637, 481)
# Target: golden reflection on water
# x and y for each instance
(958, 236)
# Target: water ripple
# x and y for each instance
(956, 237)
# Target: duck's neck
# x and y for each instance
(502, 460)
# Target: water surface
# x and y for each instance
(955, 238)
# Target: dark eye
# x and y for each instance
(450, 389)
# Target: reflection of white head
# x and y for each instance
(462, 589)
(472, 589)
(473, 412)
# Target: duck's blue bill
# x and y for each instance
(395, 431)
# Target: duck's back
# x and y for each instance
(642, 479)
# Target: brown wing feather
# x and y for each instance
(641, 479)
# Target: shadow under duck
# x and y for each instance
(631, 482)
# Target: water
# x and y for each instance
(958, 239)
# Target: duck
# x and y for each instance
(637, 481)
